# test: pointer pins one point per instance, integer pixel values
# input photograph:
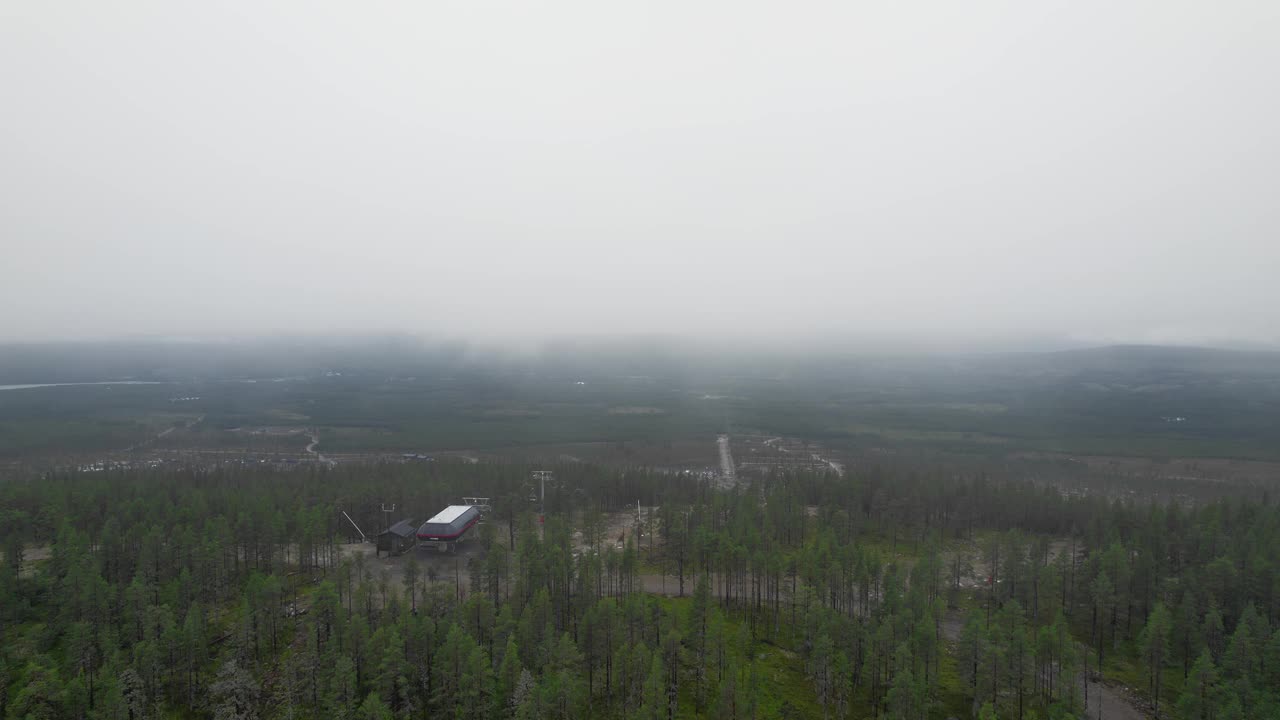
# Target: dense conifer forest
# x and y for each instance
(888, 593)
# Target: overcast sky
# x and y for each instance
(1092, 169)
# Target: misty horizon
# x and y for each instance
(355, 349)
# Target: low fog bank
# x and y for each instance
(793, 358)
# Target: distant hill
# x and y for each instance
(1136, 358)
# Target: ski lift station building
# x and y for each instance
(449, 525)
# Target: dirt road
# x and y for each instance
(1105, 702)
(447, 568)
(1108, 703)
(728, 476)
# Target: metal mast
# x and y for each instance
(541, 476)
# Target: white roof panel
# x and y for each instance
(449, 514)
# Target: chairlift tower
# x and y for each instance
(542, 476)
(386, 515)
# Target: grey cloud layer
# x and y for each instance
(1090, 169)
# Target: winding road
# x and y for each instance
(311, 448)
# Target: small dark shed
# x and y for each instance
(397, 538)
